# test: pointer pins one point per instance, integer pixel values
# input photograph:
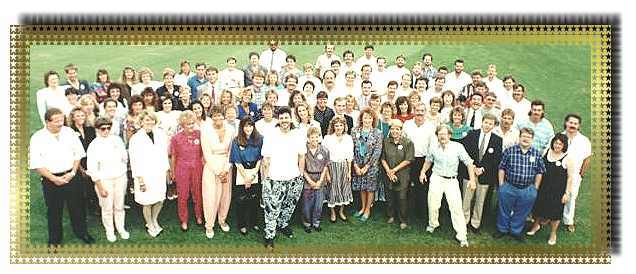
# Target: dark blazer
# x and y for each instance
(491, 158)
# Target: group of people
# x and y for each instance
(271, 136)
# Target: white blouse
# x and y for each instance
(339, 151)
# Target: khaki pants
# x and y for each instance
(449, 187)
(113, 204)
(480, 196)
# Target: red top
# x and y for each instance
(404, 118)
(187, 148)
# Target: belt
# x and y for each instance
(62, 173)
(447, 177)
(520, 186)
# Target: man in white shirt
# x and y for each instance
(55, 153)
(422, 133)
(430, 72)
(380, 75)
(368, 58)
(457, 80)
(435, 90)
(346, 66)
(212, 86)
(365, 96)
(580, 151)
(323, 62)
(396, 71)
(274, 57)
(232, 78)
(518, 103)
(283, 180)
(474, 113)
(494, 84)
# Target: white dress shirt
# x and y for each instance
(106, 158)
(273, 60)
(478, 115)
(55, 152)
(232, 80)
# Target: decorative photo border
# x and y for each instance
(598, 37)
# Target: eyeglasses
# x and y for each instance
(104, 128)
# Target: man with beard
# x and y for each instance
(396, 71)
(283, 181)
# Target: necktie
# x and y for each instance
(482, 147)
(472, 119)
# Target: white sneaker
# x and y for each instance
(124, 235)
(430, 229)
(209, 234)
(111, 237)
(463, 243)
(225, 227)
(152, 232)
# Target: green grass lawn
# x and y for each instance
(557, 74)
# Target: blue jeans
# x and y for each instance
(312, 206)
(515, 204)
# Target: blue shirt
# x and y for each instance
(195, 82)
(249, 153)
(253, 111)
(521, 168)
(446, 161)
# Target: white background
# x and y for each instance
(11, 9)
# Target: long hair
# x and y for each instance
(255, 138)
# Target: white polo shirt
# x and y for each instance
(284, 150)
(56, 154)
(422, 136)
(106, 158)
(579, 148)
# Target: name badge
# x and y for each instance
(531, 159)
(558, 163)
(176, 94)
(251, 113)
(490, 150)
(400, 147)
(241, 147)
(319, 157)
(196, 141)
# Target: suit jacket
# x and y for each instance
(490, 160)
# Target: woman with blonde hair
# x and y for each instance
(148, 150)
(89, 106)
(352, 109)
(186, 168)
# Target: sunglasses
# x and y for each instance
(104, 128)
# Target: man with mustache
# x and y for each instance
(580, 151)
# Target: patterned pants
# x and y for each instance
(279, 201)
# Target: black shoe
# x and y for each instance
(473, 230)
(520, 238)
(498, 234)
(87, 239)
(269, 244)
(287, 232)
(307, 229)
(317, 228)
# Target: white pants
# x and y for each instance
(480, 196)
(113, 204)
(570, 206)
(449, 187)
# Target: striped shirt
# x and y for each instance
(543, 132)
(446, 161)
(521, 168)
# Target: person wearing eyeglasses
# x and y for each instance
(106, 164)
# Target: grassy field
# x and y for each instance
(557, 74)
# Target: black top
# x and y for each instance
(89, 136)
(490, 160)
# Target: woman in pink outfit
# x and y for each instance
(186, 165)
(216, 138)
